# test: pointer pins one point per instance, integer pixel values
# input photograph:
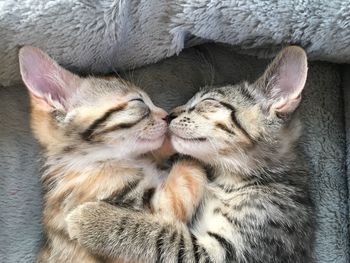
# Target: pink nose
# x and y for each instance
(161, 114)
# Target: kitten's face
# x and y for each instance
(105, 118)
(246, 122)
(114, 115)
(215, 123)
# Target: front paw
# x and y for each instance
(82, 218)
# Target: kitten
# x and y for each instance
(95, 134)
(256, 208)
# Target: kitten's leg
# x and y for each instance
(114, 232)
(164, 152)
(179, 196)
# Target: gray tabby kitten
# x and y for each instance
(256, 206)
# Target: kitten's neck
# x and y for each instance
(86, 160)
(259, 165)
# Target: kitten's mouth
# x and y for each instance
(155, 139)
(195, 139)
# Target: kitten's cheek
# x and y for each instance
(146, 145)
(177, 144)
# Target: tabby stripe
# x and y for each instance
(173, 237)
(280, 206)
(233, 221)
(289, 229)
(242, 205)
(126, 203)
(196, 213)
(254, 183)
(195, 248)
(235, 121)
(174, 114)
(159, 245)
(58, 232)
(146, 197)
(209, 172)
(181, 251)
(230, 189)
(117, 196)
(228, 246)
(49, 181)
(303, 200)
(246, 93)
(191, 109)
(216, 90)
(136, 228)
(119, 126)
(226, 189)
(221, 92)
(123, 223)
(206, 255)
(86, 135)
(223, 127)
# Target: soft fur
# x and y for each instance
(256, 207)
(97, 36)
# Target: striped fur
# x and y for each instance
(256, 207)
(97, 135)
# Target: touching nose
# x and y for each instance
(160, 113)
(170, 117)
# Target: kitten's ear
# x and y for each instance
(284, 80)
(49, 84)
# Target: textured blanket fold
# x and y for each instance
(97, 36)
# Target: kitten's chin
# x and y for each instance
(150, 144)
(197, 147)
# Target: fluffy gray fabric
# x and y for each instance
(20, 202)
(94, 36)
(170, 83)
(346, 94)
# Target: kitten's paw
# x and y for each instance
(79, 218)
(73, 222)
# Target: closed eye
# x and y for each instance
(206, 99)
(137, 99)
(209, 99)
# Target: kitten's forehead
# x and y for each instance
(225, 93)
(109, 86)
(93, 90)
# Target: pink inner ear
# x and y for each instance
(44, 78)
(292, 78)
(288, 106)
(289, 75)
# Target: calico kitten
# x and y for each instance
(94, 133)
(256, 207)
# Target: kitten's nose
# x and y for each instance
(171, 116)
(160, 113)
(166, 119)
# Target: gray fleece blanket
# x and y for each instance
(95, 36)
(170, 83)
